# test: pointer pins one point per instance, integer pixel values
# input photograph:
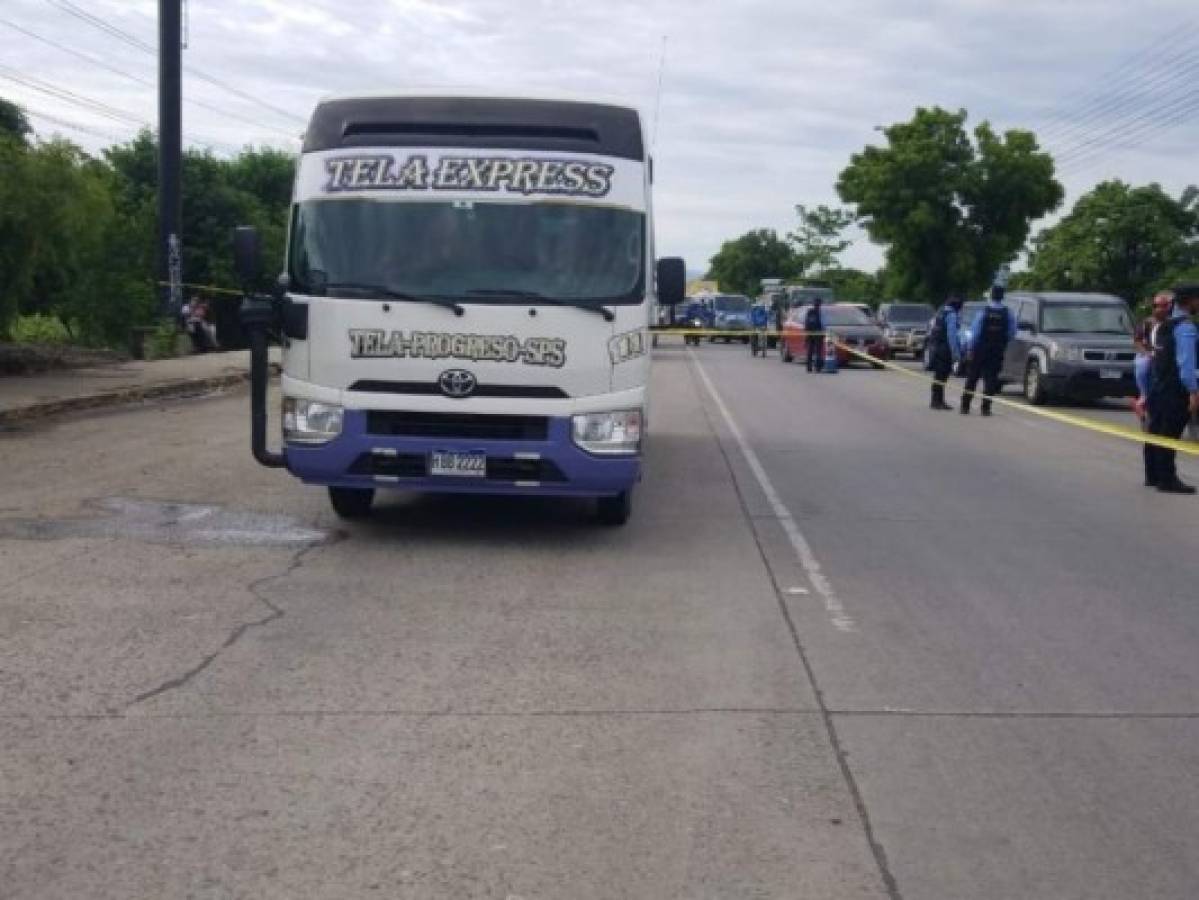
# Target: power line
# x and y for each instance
(84, 16)
(95, 106)
(1129, 89)
(98, 108)
(1184, 112)
(138, 79)
(1176, 74)
(1150, 116)
(74, 126)
(1066, 107)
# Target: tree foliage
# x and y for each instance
(855, 285)
(948, 209)
(13, 123)
(818, 239)
(742, 263)
(1119, 240)
(78, 234)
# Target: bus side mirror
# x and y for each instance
(247, 255)
(672, 280)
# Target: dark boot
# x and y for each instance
(986, 407)
(1175, 487)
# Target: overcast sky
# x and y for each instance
(763, 101)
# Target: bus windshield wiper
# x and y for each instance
(542, 298)
(391, 294)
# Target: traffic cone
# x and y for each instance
(830, 356)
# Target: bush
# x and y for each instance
(163, 341)
(39, 329)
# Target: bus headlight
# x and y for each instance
(310, 421)
(608, 433)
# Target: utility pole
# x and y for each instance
(170, 152)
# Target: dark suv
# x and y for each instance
(1070, 345)
(905, 326)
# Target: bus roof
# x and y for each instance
(476, 119)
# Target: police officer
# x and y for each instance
(1163, 303)
(993, 328)
(813, 326)
(944, 350)
(759, 317)
(1174, 387)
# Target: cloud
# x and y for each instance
(763, 102)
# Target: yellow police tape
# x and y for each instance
(209, 288)
(1118, 431)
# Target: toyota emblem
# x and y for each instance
(457, 383)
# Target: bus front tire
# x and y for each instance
(352, 503)
(614, 511)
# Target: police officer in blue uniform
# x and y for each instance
(813, 326)
(1174, 388)
(993, 328)
(759, 318)
(944, 350)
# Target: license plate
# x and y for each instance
(1113, 374)
(457, 463)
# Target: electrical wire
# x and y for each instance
(96, 107)
(1085, 98)
(1128, 93)
(120, 34)
(142, 81)
(67, 123)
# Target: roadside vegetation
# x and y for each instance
(78, 232)
(951, 206)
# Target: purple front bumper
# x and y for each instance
(553, 466)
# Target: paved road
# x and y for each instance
(847, 648)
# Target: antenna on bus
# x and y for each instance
(658, 98)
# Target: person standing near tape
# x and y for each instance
(1142, 369)
(813, 326)
(1174, 388)
(993, 328)
(944, 350)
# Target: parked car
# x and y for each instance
(906, 326)
(1071, 345)
(730, 312)
(845, 322)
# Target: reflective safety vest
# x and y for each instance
(992, 337)
(1164, 368)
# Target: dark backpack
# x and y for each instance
(811, 320)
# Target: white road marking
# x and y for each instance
(832, 605)
(797, 590)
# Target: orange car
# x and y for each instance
(848, 325)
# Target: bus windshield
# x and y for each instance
(451, 249)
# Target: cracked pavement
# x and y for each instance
(210, 687)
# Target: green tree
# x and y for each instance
(949, 210)
(13, 123)
(78, 235)
(1120, 240)
(818, 239)
(855, 285)
(741, 264)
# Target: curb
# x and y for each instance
(163, 390)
